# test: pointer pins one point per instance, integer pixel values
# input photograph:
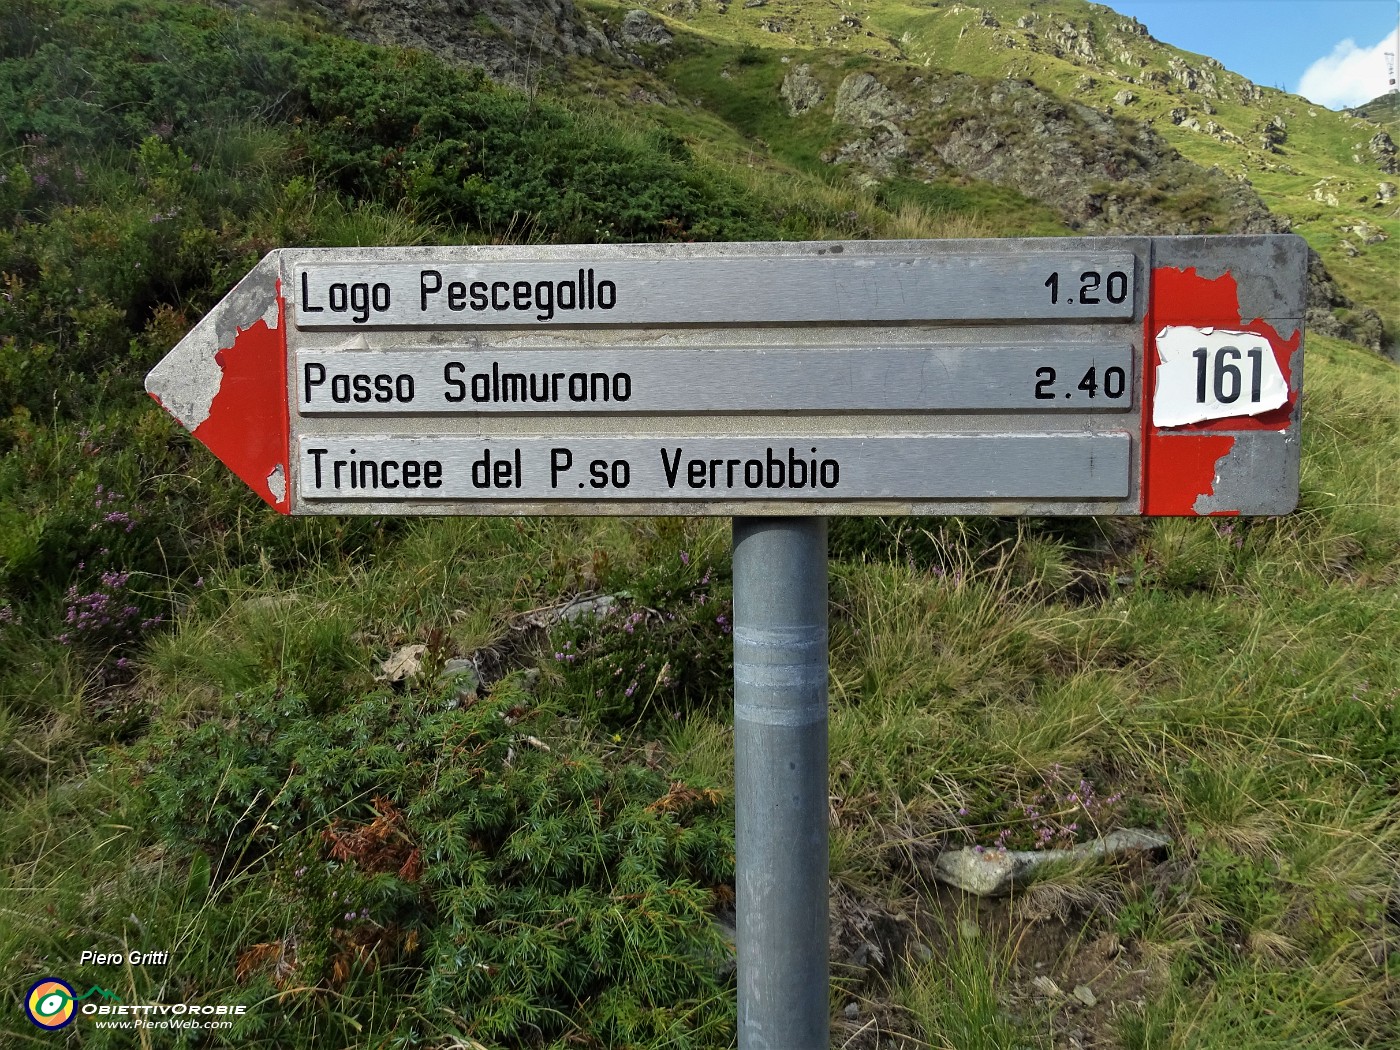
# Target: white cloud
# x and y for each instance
(1349, 76)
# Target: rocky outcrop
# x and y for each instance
(874, 156)
(1094, 171)
(1367, 232)
(1329, 191)
(1115, 46)
(1201, 81)
(1331, 313)
(639, 27)
(865, 102)
(1103, 176)
(1273, 134)
(1077, 41)
(801, 91)
(1383, 149)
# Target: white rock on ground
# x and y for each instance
(994, 873)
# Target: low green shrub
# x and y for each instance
(661, 650)
(384, 126)
(511, 884)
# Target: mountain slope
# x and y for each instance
(1090, 115)
(1062, 103)
(1383, 110)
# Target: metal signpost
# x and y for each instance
(777, 384)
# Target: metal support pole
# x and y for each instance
(780, 782)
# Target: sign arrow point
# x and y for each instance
(226, 382)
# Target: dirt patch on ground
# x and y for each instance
(1068, 975)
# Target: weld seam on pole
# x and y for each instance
(794, 677)
(804, 638)
(765, 716)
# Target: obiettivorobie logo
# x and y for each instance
(52, 1003)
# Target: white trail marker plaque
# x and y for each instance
(1130, 375)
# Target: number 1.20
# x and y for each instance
(1115, 288)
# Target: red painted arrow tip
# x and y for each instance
(248, 428)
(231, 390)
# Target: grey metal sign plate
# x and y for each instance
(1121, 375)
(1030, 378)
(834, 287)
(840, 468)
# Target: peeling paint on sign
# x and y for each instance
(247, 425)
(189, 379)
(226, 382)
(1256, 465)
(1184, 471)
(1185, 467)
(277, 483)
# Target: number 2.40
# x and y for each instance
(1224, 377)
(1115, 382)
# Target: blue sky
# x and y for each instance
(1330, 51)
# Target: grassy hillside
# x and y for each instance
(253, 743)
(1319, 172)
(1383, 110)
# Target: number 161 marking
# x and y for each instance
(1212, 373)
(1226, 374)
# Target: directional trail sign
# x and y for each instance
(1120, 375)
(778, 384)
